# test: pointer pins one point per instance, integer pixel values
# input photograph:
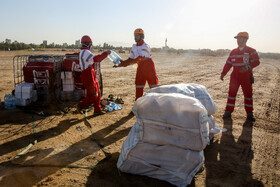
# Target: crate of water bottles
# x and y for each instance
(9, 101)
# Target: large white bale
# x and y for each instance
(173, 119)
(175, 165)
(197, 91)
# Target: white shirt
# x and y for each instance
(86, 59)
(143, 50)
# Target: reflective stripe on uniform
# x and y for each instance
(229, 62)
(153, 85)
(82, 59)
(248, 98)
(240, 64)
(238, 56)
(140, 86)
(255, 52)
(233, 98)
(248, 105)
(254, 60)
(146, 50)
(89, 57)
(228, 104)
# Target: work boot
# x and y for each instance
(80, 109)
(98, 113)
(83, 109)
(227, 115)
(251, 117)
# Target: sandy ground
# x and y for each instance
(72, 151)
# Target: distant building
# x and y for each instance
(64, 45)
(77, 43)
(8, 41)
(165, 47)
(45, 43)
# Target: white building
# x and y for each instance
(45, 43)
(77, 43)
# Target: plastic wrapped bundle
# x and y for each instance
(173, 119)
(197, 91)
(175, 165)
(167, 140)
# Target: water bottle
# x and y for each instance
(10, 101)
(115, 58)
(109, 108)
(115, 106)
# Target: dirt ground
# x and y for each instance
(67, 150)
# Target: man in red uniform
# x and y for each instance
(88, 76)
(141, 54)
(243, 59)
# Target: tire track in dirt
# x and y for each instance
(270, 110)
(266, 144)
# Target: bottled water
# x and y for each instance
(113, 106)
(10, 101)
(109, 108)
(115, 58)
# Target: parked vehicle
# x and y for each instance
(121, 51)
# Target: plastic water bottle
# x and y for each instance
(115, 58)
(10, 101)
(109, 108)
(115, 106)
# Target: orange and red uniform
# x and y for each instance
(247, 57)
(141, 54)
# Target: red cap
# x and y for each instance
(86, 39)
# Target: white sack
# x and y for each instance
(175, 165)
(172, 119)
(200, 92)
(213, 127)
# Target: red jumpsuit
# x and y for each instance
(146, 71)
(89, 80)
(248, 57)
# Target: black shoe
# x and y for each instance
(83, 109)
(80, 109)
(251, 117)
(227, 115)
(99, 113)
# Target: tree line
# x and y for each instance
(201, 52)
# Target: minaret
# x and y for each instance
(165, 42)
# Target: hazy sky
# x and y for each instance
(187, 24)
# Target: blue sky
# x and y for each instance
(187, 24)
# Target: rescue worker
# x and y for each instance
(88, 76)
(141, 55)
(243, 59)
